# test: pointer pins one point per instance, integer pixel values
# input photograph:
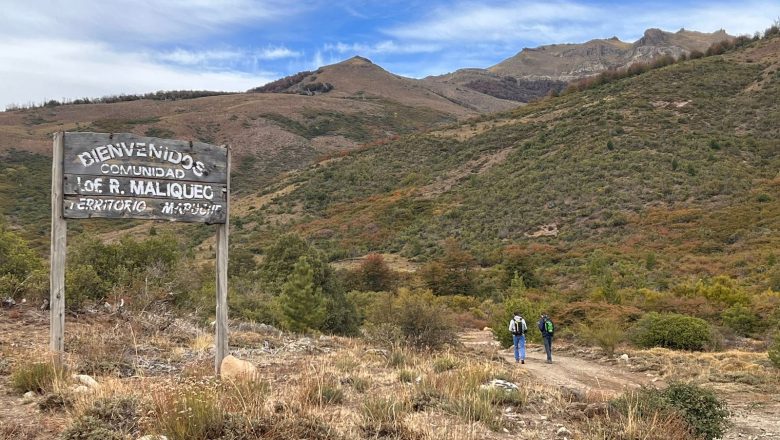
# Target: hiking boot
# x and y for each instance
(522, 361)
(516, 361)
(549, 362)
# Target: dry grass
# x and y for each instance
(346, 389)
(637, 426)
(731, 368)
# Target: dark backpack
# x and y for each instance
(518, 328)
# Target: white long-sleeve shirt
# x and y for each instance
(513, 325)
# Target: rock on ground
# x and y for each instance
(234, 368)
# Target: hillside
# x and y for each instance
(672, 175)
(534, 72)
(359, 78)
(269, 133)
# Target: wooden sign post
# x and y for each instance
(102, 175)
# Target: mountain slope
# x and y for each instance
(678, 165)
(533, 73)
(573, 61)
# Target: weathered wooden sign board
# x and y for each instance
(121, 175)
(127, 176)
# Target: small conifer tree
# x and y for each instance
(302, 304)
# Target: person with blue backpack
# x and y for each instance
(518, 327)
(547, 328)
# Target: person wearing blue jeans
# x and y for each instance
(546, 327)
(518, 327)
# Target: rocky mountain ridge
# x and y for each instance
(534, 72)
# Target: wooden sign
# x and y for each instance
(128, 176)
(121, 175)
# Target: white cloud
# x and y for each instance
(73, 69)
(504, 22)
(382, 48)
(124, 21)
(539, 22)
(191, 58)
(217, 58)
(276, 53)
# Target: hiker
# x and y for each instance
(517, 328)
(547, 329)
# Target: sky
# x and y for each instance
(67, 49)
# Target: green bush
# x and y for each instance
(742, 320)
(414, 316)
(774, 351)
(605, 334)
(82, 283)
(672, 331)
(18, 264)
(705, 414)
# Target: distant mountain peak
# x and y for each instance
(357, 60)
(653, 37)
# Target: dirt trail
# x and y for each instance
(754, 416)
(567, 371)
(579, 374)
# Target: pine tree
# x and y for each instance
(302, 304)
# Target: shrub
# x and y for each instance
(774, 351)
(189, 414)
(374, 274)
(38, 377)
(672, 331)
(83, 283)
(640, 415)
(705, 414)
(18, 264)
(120, 413)
(420, 321)
(742, 320)
(606, 334)
(90, 428)
(55, 402)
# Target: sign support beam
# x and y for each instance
(221, 336)
(59, 233)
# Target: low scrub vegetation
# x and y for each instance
(39, 377)
(774, 351)
(672, 331)
(704, 415)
